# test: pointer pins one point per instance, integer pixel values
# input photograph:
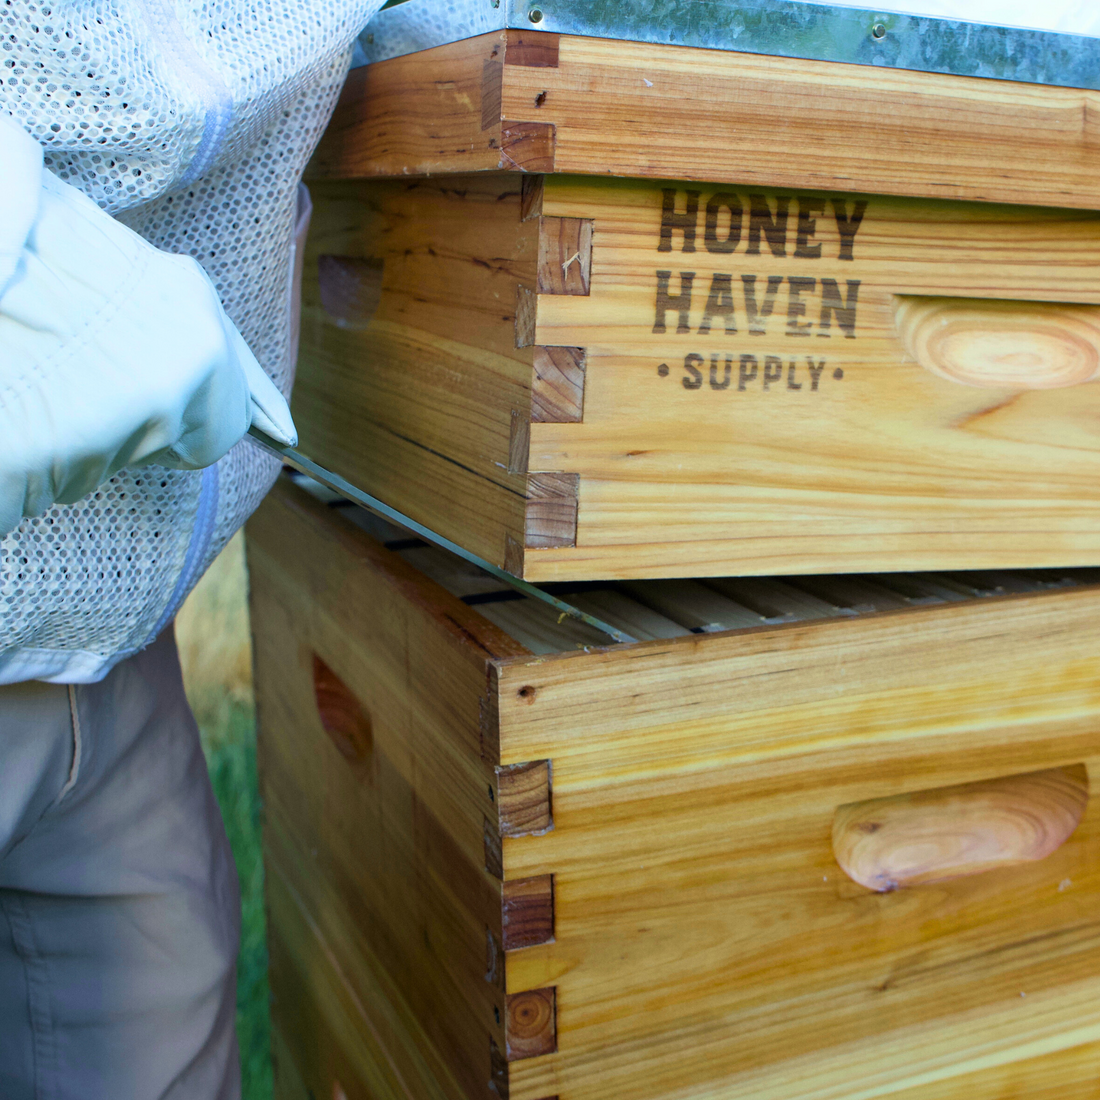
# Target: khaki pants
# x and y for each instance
(119, 911)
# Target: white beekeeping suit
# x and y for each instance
(150, 156)
(190, 122)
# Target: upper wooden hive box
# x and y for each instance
(607, 309)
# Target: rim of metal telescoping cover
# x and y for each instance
(783, 28)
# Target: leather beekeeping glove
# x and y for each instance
(112, 353)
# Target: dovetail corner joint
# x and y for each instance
(557, 392)
(537, 50)
(524, 798)
(531, 195)
(527, 146)
(494, 960)
(489, 721)
(532, 1027)
(527, 304)
(565, 255)
(519, 443)
(528, 912)
(513, 563)
(552, 505)
(492, 91)
(494, 852)
(498, 1071)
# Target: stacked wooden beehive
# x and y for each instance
(703, 338)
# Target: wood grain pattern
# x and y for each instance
(1067, 1074)
(552, 504)
(532, 1024)
(770, 392)
(931, 836)
(535, 49)
(345, 840)
(386, 117)
(420, 407)
(557, 393)
(636, 110)
(1002, 345)
(803, 973)
(705, 939)
(528, 912)
(632, 109)
(524, 800)
(565, 255)
(749, 406)
(527, 146)
(324, 1027)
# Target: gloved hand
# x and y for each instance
(112, 353)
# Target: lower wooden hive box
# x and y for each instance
(818, 838)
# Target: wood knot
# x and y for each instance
(527, 693)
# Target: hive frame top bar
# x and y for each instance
(783, 28)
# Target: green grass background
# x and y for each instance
(215, 651)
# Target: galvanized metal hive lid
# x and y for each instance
(783, 28)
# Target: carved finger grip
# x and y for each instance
(1001, 344)
(929, 836)
(342, 715)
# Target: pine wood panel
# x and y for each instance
(327, 1032)
(388, 116)
(807, 439)
(346, 832)
(654, 823)
(422, 403)
(775, 422)
(633, 109)
(812, 985)
(1070, 1074)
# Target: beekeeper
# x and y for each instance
(150, 215)
(150, 158)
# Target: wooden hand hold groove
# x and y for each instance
(1002, 344)
(929, 836)
(342, 715)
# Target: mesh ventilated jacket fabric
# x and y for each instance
(190, 121)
